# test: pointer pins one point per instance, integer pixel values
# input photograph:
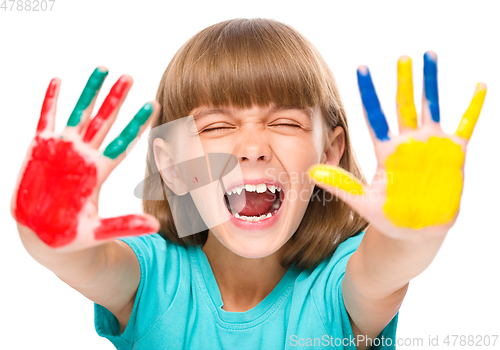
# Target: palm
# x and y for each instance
(54, 174)
(419, 177)
(57, 192)
(418, 182)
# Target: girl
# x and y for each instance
(280, 262)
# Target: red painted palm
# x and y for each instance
(58, 186)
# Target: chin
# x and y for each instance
(252, 247)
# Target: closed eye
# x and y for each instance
(215, 129)
(288, 125)
(221, 128)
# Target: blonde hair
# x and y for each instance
(246, 62)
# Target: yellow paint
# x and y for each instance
(404, 97)
(337, 177)
(471, 115)
(426, 182)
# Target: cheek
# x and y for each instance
(297, 153)
(220, 145)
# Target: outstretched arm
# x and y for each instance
(412, 202)
(56, 197)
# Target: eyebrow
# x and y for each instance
(224, 111)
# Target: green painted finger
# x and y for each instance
(120, 144)
(89, 92)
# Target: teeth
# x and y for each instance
(259, 188)
(250, 188)
(251, 218)
(275, 205)
(254, 218)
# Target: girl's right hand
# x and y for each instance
(57, 190)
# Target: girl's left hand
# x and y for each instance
(419, 178)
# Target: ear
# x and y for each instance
(335, 147)
(168, 168)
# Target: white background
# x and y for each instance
(457, 294)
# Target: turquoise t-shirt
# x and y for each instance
(179, 306)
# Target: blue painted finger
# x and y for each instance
(431, 85)
(376, 117)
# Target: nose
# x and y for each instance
(253, 148)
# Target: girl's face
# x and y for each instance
(275, 146)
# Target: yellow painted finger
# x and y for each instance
(337, 177)
(471, 115)
(404, 97)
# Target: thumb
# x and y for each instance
(340, 182)
(336, 177)
(128, 225)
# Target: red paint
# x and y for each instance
(55, 185)
(48, 104)
(129, 225)
(108, 107)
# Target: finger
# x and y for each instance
(407, 114)
(85, 103)
(336, 177)
(341, 183)
(117, 149)
(101, 123)
(128, 225)
(430, 100)
(376, 118)
(130, 133)
(48, 113)
(471, 115)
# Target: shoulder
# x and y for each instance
(327, 277)
(161, 261)
(165, 269)
(147, 242)
(332, 269)
(153, 249)
(337, 262)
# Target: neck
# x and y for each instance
(243, 282)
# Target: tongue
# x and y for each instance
(252, 203)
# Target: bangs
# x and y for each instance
(244, 63)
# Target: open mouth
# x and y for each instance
(254, 203)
